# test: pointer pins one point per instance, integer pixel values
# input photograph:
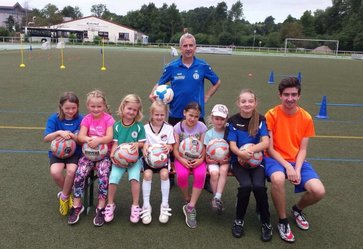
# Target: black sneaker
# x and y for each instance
(99, 219)
(237, 228)
(266, 232)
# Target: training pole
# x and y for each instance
(103, 68)
(62, 56)
(22, 65)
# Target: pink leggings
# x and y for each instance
(182, 172)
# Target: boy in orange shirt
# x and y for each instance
(290, 128)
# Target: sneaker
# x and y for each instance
(99, 219)
(74, 214)
(71, 200)
(237, 228)
(266, 233)
(146, 215)
(285, 232)
(214, 204)
(63, 206)
(164, 214)
(190, 216)
(300, 219)
(135, 214)
(109, 211)
(59, 195)
(220, 206)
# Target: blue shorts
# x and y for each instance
(307, 172)
(133, 172)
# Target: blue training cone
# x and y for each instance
(299, 77)
(323, 113)
(271, 79)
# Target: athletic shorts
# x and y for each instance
(147, 166)
(213, 167)
(73, 159)
(307, 172)
(132, 171)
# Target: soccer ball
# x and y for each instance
(254, 161)
(95, 154)
(218, 149)
(62, 148)
(191, 148)
(125, 155)
(157, 157)
(164, 93)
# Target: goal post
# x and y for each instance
(315, 46)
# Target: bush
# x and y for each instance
(4, 31)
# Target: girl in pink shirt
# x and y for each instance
(96, 128)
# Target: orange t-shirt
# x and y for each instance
(289, 130)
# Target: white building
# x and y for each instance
(16, 11)
(92, 26)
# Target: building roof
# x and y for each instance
(17, 5)
(87, 17)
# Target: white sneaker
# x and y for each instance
(146, 215)
(164, 214)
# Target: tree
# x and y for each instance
(10, 23)
(307, 21)
(4, 32)
(51, 14)
(170, 20)
(269, 25)
(199, 20)
(98, 9)
(291, 30)
(236, 11)
(69, 11)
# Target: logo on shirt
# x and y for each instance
(164, 137)
(179, 76)
(134, 134)
(196, 75)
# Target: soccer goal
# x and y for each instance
(311, 46)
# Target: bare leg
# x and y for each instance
(278, 193)
(315, 192)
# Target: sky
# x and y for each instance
(253, 10)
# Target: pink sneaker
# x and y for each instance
(109, 211)
(135, 214)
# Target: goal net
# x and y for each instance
(311, 46)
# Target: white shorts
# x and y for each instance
(213, 167)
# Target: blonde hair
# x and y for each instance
(131, 98)
(72, 98)
(98, 94)
(187, 36)
(255, 118)
(156, 104)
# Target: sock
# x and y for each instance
(296, 209)
(189, 208)
(64, 197)
(283, 221)
(146, 189)
(218, 196)
(165, 189)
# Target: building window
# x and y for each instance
(85, 34)
(123, 37)
(103, 34)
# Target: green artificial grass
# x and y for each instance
(30, 218)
